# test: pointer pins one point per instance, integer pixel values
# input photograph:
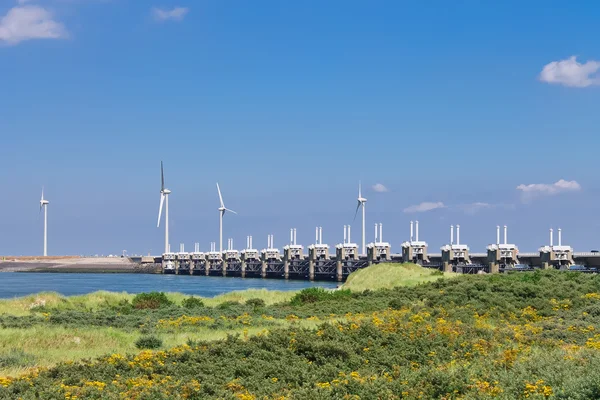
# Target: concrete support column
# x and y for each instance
(243, 267)
(447, 266)
(370, 255)
(224, 266)
(206, 268)
(312, 254)
(286, 264)
(177, 262)
(407, 255)
(494, 268)
(546, 265)
(340, 255)
(263, 271)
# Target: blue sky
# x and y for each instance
(288, 105)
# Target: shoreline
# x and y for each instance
(73, 265)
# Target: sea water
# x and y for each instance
(16, 284)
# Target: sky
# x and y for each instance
(470, 112)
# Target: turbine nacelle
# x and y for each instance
(43, 202)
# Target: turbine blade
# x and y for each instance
(356, 213)
(220, 197)
(162, 177)
(162, 201)
(42, 193)
(227, 209)
(359, 189)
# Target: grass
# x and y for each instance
(377, 276)
(46, 345)
(387, 276)
(22, 306)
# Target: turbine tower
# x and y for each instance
(164, 199)
(44, 204)
(222, 210)
(361, 202)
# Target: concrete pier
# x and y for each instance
(414, 250)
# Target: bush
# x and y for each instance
(316, 294)
(255, 303)
(16, 358)
(397, 304)
(228, 304)
(192, 302)
(192, 342)
(123, 307)
(152, 300)
(148, 342)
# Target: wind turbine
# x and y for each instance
(222, 210)
(164, 199)
(361, 202)
(44, 204)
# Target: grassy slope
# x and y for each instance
(387, 275)
(374, 277)
(51, 345)
(21, 306)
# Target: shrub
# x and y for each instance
(316, 294)
(148, 342)
(397, 304)
(16, 358)
(152, 300)
(228, 304)
(123, 306)
(255, 303)
(192, 302)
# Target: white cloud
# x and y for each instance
(425, 206)
(474, 208)
(571, 73)
(379, 187)
(175, 14)
(30, 22)
(548, 189)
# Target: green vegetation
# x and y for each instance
(152, 300)
(148, 342)
(388, 275)
(511, 336)
(255, 303)
(315, 295)
(192, 302)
